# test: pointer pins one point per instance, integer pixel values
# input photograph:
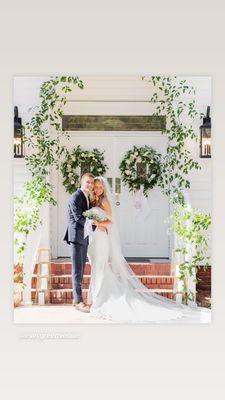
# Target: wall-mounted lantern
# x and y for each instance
(18, 135)
(205, 136)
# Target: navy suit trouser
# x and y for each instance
(78, 257)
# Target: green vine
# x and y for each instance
(27, 210)
(191, 226)
(178, 161)
(44, 152)
(48, 151)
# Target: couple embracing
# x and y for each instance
(115, 292)
(91, 193)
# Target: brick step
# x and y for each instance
(204, 273)
(204, 281)
(203, 298)
(204, 286)
(86, 286)
(138, 268)
(65, 296)
(148, 281)
(204, 278)
(151, 282)
(155, 276)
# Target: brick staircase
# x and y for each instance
(203, 287)
(154, 275)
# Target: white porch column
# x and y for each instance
(30, 256)
(176, 260)
(35, 240)
(45, 217)
(191, 282)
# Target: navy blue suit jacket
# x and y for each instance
(77, 204)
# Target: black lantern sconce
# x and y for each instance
(18, 135)
(205, 136)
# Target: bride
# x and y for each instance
(115, 292)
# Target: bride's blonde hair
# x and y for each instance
(92, 196)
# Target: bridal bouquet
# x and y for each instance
(93, 214)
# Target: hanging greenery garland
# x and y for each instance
(87, 161)
(141, 168)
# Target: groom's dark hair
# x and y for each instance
(86, 174)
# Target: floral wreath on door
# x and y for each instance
(141, 169)
(79, 161)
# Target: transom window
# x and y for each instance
(113, 123)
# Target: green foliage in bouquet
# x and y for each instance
(91, 214)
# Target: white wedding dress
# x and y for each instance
(115, 293)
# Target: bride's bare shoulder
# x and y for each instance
(106, 205)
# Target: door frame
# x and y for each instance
(54, 180)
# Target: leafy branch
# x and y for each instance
(47, 151)
(178, 161)
(191, 226)
(44, 152)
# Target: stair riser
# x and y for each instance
(204, 287)
(66, 283)
(139, 269)
(58, 282)
(67, 297)
(86, 286)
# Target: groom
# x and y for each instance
(77, 204)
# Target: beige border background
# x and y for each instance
(116, 37)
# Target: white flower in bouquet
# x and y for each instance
(138, 159)
(93, 214)
(72, 182)
(136, 153)
(128, 162)
(127, 172)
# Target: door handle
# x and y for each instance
(117, 190)
(117, 185)
(109, 180)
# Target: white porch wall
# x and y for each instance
(114, 89)
(21, 175)
(26, 96)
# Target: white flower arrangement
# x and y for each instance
(93, 214)
(151, 176)
(73, 162)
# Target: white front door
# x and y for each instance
(143, 234)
